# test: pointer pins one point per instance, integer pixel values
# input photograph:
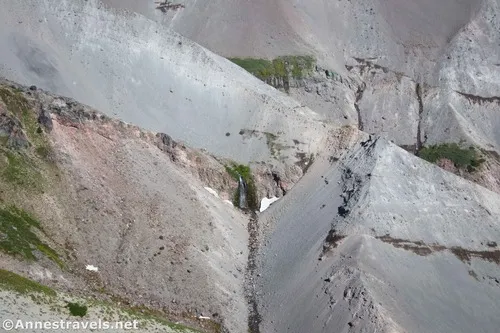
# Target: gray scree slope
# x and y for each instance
(393, 262)
(333, 30)
(126, 65)
(411, 252)
(448, 47)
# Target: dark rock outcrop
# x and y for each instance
(45, 120)
(11, 129)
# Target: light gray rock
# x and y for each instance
(399, 260)
(130, 67)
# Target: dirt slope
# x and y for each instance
(127, 201)
(133, 205)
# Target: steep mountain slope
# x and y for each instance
(105, 211)
(371, 239)
(448, 51)
(398, 71)
(380, 241)
(130, 67)
(395, 30)
(130, 203)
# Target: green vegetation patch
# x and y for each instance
(261, 68)
(22, 167)
(300, 65)
(121, 306)
(19, 284)
(21, 108)
(18, 236)
(237, 170)
(76, 309)
(464, 158)
(20, 170)
(281, 67)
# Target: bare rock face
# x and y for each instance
(415, 84)
(275, 181)
(449, 49)
(12, 132)
(140, 207)
(133, 204)
(408, 35)
(45, 119)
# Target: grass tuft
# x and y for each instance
(463, 158)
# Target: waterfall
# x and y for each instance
(242, 187)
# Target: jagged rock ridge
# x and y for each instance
(347, 252)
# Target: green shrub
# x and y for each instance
(464, 158)
(77, 310)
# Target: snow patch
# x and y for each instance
(266, 202)
(91, 268)
(212, 191)
(228, 202)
